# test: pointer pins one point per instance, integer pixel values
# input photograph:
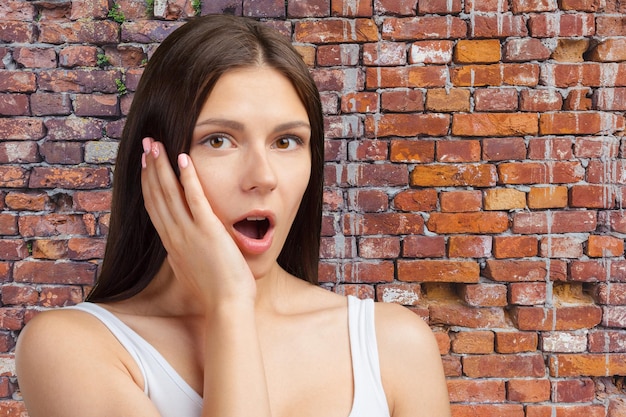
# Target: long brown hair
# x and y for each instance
(173, 88)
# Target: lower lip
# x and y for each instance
(254, 246)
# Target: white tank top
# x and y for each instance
(173, 397)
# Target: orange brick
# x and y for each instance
(458, 151)
(473, 342)
(587, 364)
(416, 200)
(576, 123)
(383, 223)
(481, 222)
(448, 175)
(438, 271)
(604, 246)
(477, 75)
(528, 390)
(487, 410)
(412, 150)
(448, 100)
(477, 51)
(494, 124)
(547, 197)
(504, 199)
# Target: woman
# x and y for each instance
(206, 304)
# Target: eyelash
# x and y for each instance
(207, 140)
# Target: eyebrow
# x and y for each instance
(232, 124)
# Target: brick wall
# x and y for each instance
(475, 173)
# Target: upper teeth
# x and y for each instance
(255, 219)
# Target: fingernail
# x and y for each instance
(145, 142)
(155, 150)
(143, 160)
(183, 161)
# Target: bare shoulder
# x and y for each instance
(410, 363)
(67, 354)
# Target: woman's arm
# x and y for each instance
(69, 365)
(411, 364)
(204, 257)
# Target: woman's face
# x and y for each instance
(251, 149)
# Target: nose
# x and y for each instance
(259, 171)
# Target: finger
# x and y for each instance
(198, 204)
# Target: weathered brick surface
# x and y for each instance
(474, 173)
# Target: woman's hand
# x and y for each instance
(200, 251)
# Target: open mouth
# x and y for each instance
(253, 227)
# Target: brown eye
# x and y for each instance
(219, 142)
(287, 143)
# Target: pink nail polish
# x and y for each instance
(183, 161)
(155, 150)
(145, 142)
(143, 160)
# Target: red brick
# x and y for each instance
(18, 294)
(334, 55)
(371, 150)
(379, 247)
(607, 341)
(461, 201)
(481, 222)
(17, 81)
(18, 152)
(485, 391)
(13, 177)
(488, 99)
(540, 100)
(561, 247)
(72, 178)
(73, 129)
(450, 314)
(431, 52)
(443, 175)
(547, 25)
(412, 150)
(78, 81)
(527, 293)
(610, 99)
(16, 32)
(14, 105)
(515, 246)
(49, 249)
(504, 366)
(469, 246)
(335, 31)
(13, 249)
(404, 293)
(400, 124)
(487, 410)
(80, 249)
(563, 318)
(515, 270)
(613, 172)
(588, 271)
(494, 124)
(520, 74)
(581, 5)
(550, 148)
(54, 296)
(528, 390)
(347, 126)
(50, 104)
(8, 224)
(100, 32)
(484, 295)
(399, 101)
(359, 8)
(476, 75)
(458, 151)
(89, 9)
(477, 51)
(516, 342)
(440, 7)
(21, 129)
(501, 149)
(62, 152)
(424, 247)
(438, 271)
(448, 100)
(147, 31)
(474, 342)
(416, 200)
(426, 27)
(574, 390)
(498, 25)
(383, 54)
(35, 57)
(528, 49)
(504, 199)
(609, 50)
(540, 173)
(368, 272)
(565, 410)
(317, 8)
(596, 147)
(413, 76)
(565, 123)
(395, 7)
(615, 316)
(51, 272)
(383, 223)
(585, 364)
(367, 200)
(612, 293)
